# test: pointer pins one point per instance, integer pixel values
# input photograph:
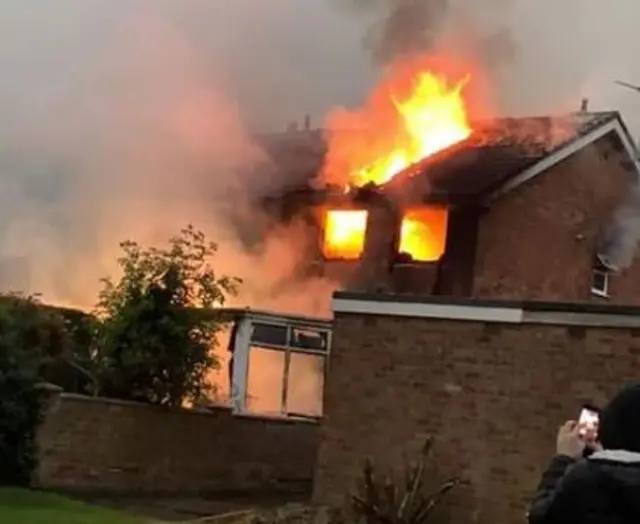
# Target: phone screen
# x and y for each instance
(588, 422)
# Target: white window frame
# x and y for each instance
(245, 322)
(601, 272)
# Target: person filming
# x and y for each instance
(594, 478)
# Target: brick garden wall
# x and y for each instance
(119, 447)
(493, 395)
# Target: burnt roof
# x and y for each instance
(495, 152)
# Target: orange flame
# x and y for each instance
(423, 233)
(344, 232)
(413, 114)
(433, 117)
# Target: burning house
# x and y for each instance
(519, 208)
(427, 200)
(539, 215)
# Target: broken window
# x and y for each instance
(343, 233)
(423, 234)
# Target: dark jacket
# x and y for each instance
(603, 489)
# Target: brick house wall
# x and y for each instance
(493, 394)
(537, 242)
(110, 446)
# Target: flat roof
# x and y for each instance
(235, 312)
(483, 310)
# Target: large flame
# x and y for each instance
(433, 117)
(411, 115)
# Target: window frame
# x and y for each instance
(245, 342)
(600, 291)
(600, 270)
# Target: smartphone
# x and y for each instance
(588, 422)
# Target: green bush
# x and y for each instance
(159, 322)
(73, 366)
(29, 336)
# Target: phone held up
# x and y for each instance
(588, 423)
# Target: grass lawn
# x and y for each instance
(21, 506)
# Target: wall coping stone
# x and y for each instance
(212, 409)
(482, 310)
(280, 418)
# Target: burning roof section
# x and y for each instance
(496, 151)
(497, 155)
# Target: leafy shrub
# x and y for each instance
(73, 367)
(160, 321)
(29, 336)
(382, 500)
(65, 344)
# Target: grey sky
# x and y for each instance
(282, 58)
(278, 60)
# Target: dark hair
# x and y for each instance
(620, 421)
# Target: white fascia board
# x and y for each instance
(629, 146)
(428, 310)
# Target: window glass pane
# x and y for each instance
(269, 334)
(309, 338)
(599, 281)
(306, 379)
(265, 380)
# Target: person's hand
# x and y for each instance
(569, 442)
(594, 446)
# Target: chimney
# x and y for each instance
(307, 122)
(373, 274)
(584, 105)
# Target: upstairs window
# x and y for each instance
(344, 232)
(423, 234)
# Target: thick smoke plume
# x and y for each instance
(401, 29)
(122, 125)
(621, 237)
(132, 141)
(537, 58)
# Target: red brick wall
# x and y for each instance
(492, 394)
(112, 446)
(537, 242)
